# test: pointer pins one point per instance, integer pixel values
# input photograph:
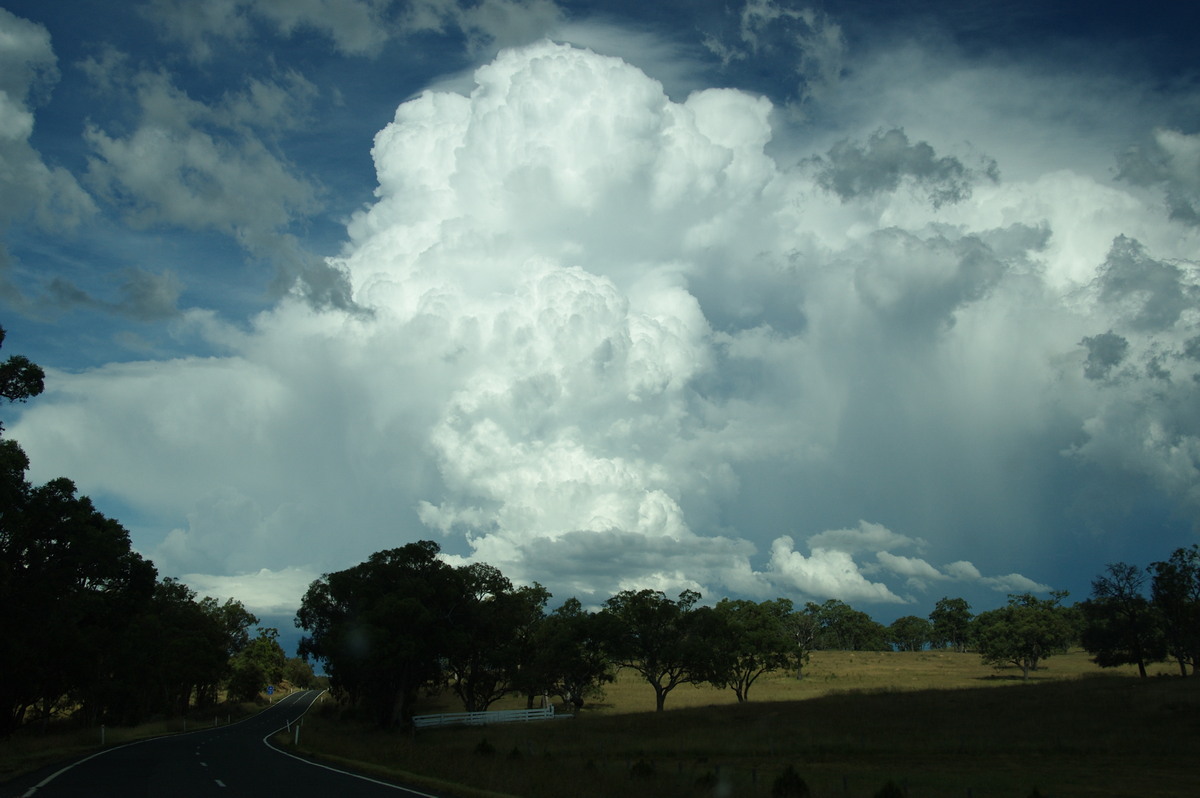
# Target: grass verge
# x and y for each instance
(937, 724)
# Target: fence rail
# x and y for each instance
(483, 718)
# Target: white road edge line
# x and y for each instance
(267, 742)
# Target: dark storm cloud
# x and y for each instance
(879, 166)
(1170, 162)
(143, 296)
(1154, 292)
(1105, 352)
(917, 283)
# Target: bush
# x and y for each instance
(890, 790)
(789, 784)
(642, 770)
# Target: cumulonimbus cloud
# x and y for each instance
(614, 340)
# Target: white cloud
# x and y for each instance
(826, 572)
(620, 338)
(868, 537)
(198, 166)
(1015, 583)
(355, 27)
(263, 592)
(30, 189)
(962, 570)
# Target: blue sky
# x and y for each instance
(868, 300)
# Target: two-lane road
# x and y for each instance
(227, 762)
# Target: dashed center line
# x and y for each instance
(219, 782)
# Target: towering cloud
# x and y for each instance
(602, 338)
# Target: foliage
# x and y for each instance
(568, 656)
(951, 619)
(1121, 625)
(789, 784)
(20, 379)
(492, 635)
(889, 790)
(840, 627)
(299, 673)
(1023, 633)
(383, 627)
(69, 585)
(746, 640)
(260, 663)
(909, 633)
(647, 632)
(86, 623)
(1175, 589)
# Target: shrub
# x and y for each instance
(890, 790)
(789, 784)
(642, 770)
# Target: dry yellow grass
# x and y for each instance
(938, 722)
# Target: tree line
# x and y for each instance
(405, 621)
(88, 629)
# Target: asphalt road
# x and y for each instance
(226, 762)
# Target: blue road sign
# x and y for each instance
(270, 689)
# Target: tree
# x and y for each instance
(569, 657)
(1175, 592)
(299, 673)
(801, 627)
(69, 585)
(1121, 625)
(746, 640)
(1023, 633)
(383, 627)
(259, 663)
(20, 379)
(494, 626)
(909, 633)
(840, 627)
(647, 632)
(951, 619)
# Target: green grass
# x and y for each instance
(940, 724)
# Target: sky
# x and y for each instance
(876, 301)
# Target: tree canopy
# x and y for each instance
(1024, 632)
(1122, 626)
(656, 636)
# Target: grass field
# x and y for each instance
(935, 723)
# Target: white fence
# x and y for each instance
(483, 718)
